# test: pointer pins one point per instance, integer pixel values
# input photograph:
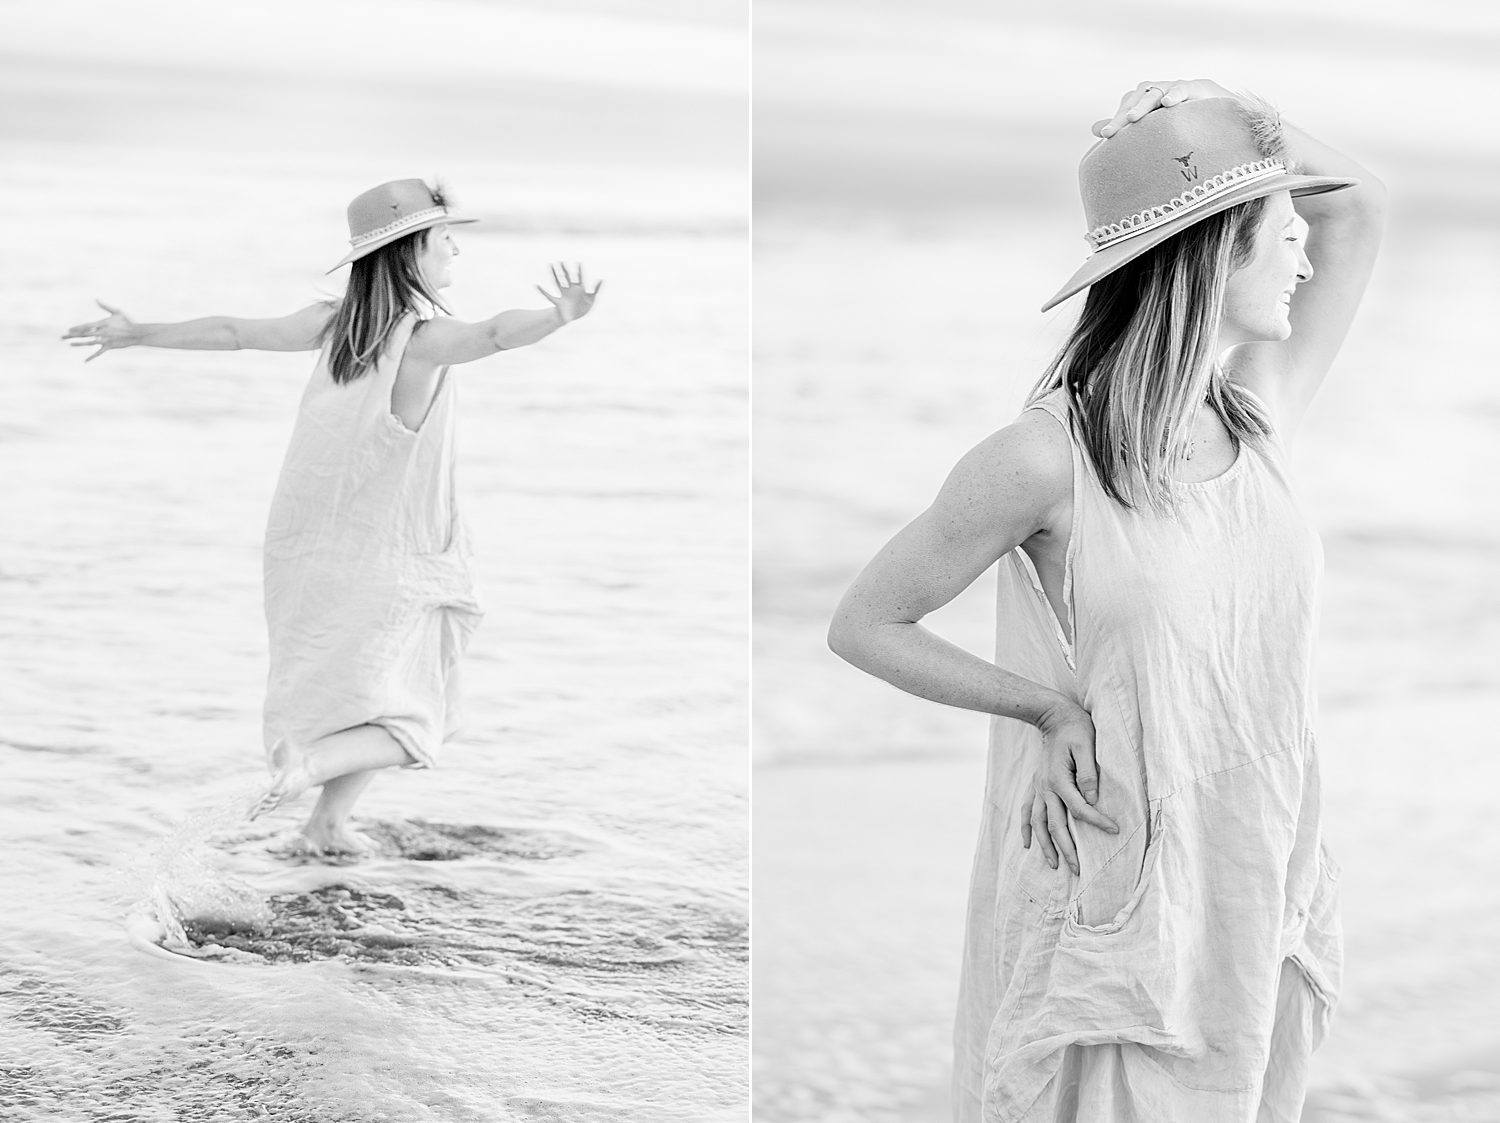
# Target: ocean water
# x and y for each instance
(867, 800)
(554, 926)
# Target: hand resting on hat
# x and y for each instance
(1136, 103)
(1343, 237)
(1016, 488)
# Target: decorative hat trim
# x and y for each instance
(1188, 201)
(412, 219)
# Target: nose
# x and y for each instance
(1304, 267)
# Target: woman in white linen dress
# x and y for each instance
(368, 595)
(1168, 950)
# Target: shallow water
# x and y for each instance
(553, 926)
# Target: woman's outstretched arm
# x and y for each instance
(301, 331)
(1014, 485)
(443, 340)
(1344, 231)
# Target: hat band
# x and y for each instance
(1111, 233)
(413, 219)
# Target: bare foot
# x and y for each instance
(289, 780)
(337, 840)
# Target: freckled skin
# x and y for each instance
(1257, 297)
(1257, 309)
(1015, 488)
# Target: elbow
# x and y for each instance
(840, 637)
(1373, 196)
(1355, 215)
(849, 640)
(1367, 203)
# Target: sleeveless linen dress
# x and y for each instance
(1193, 964)
(369, 598)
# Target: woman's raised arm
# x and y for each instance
(1344, 231)
(301, 331)
(1343, 239)
(1014, 485)
(443, 340)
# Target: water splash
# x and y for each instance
(180, 887)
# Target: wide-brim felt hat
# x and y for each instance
(391, 211)
(1172, 168)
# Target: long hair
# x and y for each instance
(1142, 359)
(384, 286)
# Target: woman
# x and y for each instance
(369, 600)
(1168, 949)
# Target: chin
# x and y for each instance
(1274, 331)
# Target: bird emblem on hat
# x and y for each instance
(1188, 173)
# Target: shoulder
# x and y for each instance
(308, 327)
(432, 325)
(1033, 453)
(1024, 471)
(315, 315)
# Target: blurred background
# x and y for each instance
(915, 203)
(555, 927)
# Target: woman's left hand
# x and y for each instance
(1140, 101)
(1066, 785)
(574, 298)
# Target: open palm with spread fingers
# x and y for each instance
(117, 330)
(574, 297)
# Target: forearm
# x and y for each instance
(1359, 206)
(523, 326)
(916, 660)
(211, 333)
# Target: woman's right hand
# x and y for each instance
(1148, 96)
(1067, 782)
(118, 330)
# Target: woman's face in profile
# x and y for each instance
(1258, 296)
(437, 256)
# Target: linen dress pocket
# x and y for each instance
(1106, 900)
